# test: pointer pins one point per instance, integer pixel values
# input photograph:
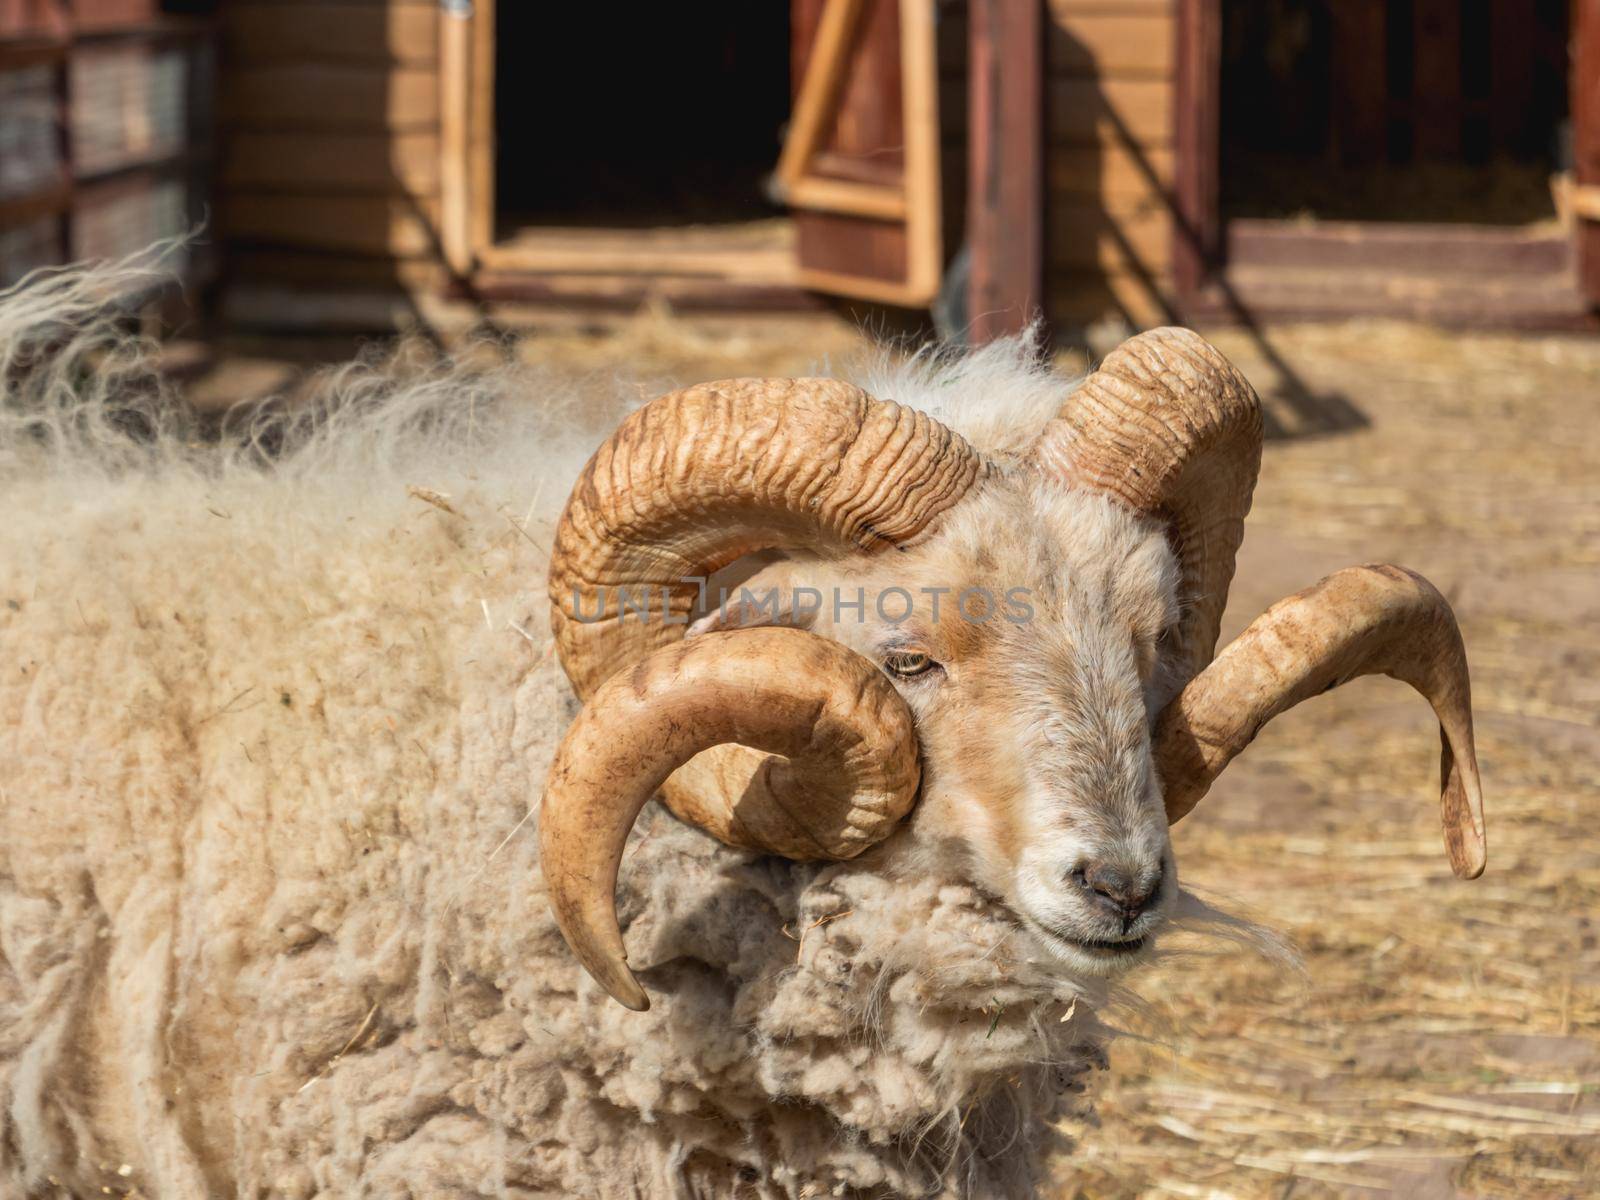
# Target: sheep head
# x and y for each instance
(1019, 650)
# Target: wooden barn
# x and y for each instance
(1109, 162)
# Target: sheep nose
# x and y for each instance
(1114, 891)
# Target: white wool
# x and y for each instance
(998, 396)
(274, 712)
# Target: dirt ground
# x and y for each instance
(1444, 1038)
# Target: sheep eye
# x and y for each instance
(906, 663)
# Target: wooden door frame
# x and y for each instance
(1199, 236)
(466, 132)
(477, 265)
(1584, 83)
(1197, 147)
(1006, 95)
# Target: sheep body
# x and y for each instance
(270, 912)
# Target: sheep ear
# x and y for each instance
(770, 597)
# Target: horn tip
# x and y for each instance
(1465, 842)
(625, 990)
(1468, 854)
(640, 1003)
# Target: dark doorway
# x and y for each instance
(1394, 110)
(638, 115)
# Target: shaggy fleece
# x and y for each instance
(274, 714)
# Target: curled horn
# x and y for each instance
(1168, 426)
(775, 739)
(850, 763)
(1360, 621)
(696, 479)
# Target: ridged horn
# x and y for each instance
(846, 737)
(1360, 621)
(696, 479)
(1168, 426)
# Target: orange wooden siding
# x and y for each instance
(1108, 180)
(332, 147)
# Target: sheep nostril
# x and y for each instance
(1114, 891)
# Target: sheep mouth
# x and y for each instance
(1104, 950)
(1117, 948)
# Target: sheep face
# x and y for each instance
(1024, 636)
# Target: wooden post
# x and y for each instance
(1005, 202)
(1197, 227)
(455, 146)
(919, 106)
(480, 200)
(1586, 141)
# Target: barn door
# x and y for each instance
(1586, 142)
(860, 165)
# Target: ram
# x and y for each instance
(275, 919)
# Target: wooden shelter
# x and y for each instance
(105, 132)
(1117, 162)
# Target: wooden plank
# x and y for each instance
(324, 96)
(1255, 295)
(1409, 246)
(20, 210)
(627, 293)
(1196, 227)
(113, 14)
(1086, 110)
(1082, 298)
(919, 105)
(456, 39)
(1114, 174)
(352, 224)
(31, 52)
(1112, 8)
(835, 245)
(847, 196)
(759, 252)
(1585, 84)
(1109, 45)
(1360, 81)
(374, 163)
(481, 132)
(1436, 93)
(1086, 235)
(1005, 205)
(319, 31)
(32, 19)
(333, 270)
(431, 5)
(833, 166)
(819, 94)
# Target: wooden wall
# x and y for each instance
(330, 152)
(1109, 176)
(330, 148)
